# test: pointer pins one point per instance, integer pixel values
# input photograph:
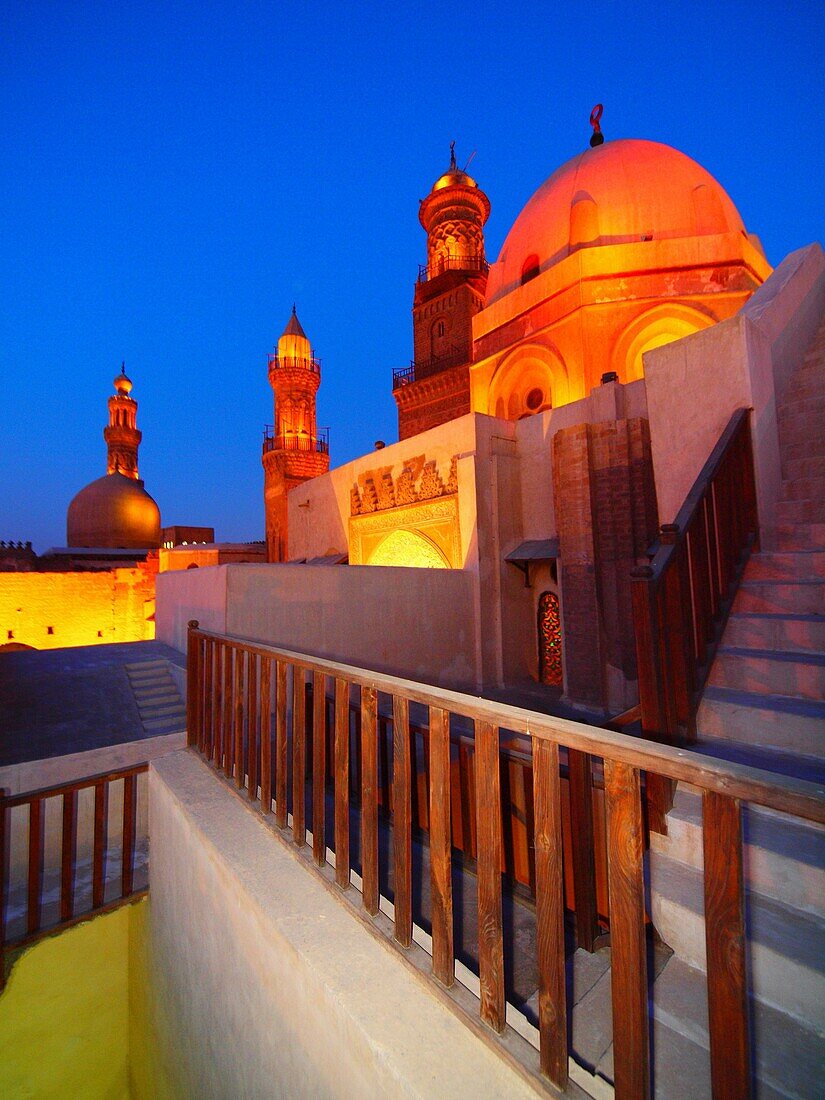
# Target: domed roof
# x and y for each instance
(114, 511)
(123, 383)
(616, 193)
(454, 178)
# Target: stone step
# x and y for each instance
(801, 565)
(795, 537)
(136, 668)
(803, 488)
(176, 708)
(801, 511)
(784, 856)
(774, 597)
(792, 633)
(787, 946)
(770, 672)
(776, 722)
(171, 724)
(805, 467)
(155, 698)
(787, 1056)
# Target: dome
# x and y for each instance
(123, 383)
(616, 193)
(114, 511)
(454, 178)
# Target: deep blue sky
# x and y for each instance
(174, 175)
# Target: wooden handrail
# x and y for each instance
(237, 740)
(10, 800)
(777, 792)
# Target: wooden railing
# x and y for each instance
(236, 689)
(682, 599)
(104, 892)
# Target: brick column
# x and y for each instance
(606, 518)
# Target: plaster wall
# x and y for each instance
(695, 385)
(263, 984)
(113, 605)
(190, 594)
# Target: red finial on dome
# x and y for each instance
(597, 137)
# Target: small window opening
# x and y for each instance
(50, 630)
(10, 634)
(534, 399)
(530, 269)
(100, 633)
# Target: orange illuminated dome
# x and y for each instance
(114, 511)
(617, 193)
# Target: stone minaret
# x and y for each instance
(121, 434)
(293, 450)
(449, 292)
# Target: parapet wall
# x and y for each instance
(415, 623)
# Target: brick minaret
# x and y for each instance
(449, 292)
(121, 434)
(293, 450)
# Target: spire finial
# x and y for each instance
(123, 366)
(452, 157)
(597, 137)
(294, 310)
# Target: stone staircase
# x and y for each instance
(763, 706)
(159, 703)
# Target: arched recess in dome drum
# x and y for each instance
(528, 370)
(653, 329)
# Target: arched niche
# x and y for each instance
(532, 378)
(409, 548)
(653, 329)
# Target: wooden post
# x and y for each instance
(237, 695)
(217, 740)
(68, 843)
(319, 742)
(550, 911)
(99, 845)
(281, 740)
(128, 834)
(192, 684)
(726, 946)
(342, 869)
(488, 839)
(369, 799)
(584, 848)
(625, 852)
(299, 740)
(265, 708)
(36, 863)
(441, 881)
(252, 725)
(227, 740)
(401, 820)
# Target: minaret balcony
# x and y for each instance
(296, 442)
(290, 362)
(424, 368)
(451, 263)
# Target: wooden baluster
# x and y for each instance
(625, 847)
(750, 487)
(385, 780)
(265, 709)
(369, 799)
(401, 820)
(342, 869)
(99, 844)
(68, 847)
(280, 745)
(466, 780)
(237, 695)
(714, 553)
(580, 774)
(550, 911)
(35, 865)
(700, 587)
(217, 743)
(441, 881)
(128, 835)
(192, 649)
(725, 942)
(319, 741)
(647, 628)
(252, 725)
(488, 834)
(4, 870)
(228, 712)
(209, 698)
(299, 735)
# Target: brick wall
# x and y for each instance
(81, 608)
(606, 516)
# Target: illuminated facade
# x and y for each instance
(293, 450)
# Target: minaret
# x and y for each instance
(293, 450)
(121, 434)
(449, 292)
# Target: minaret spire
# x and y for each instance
(121, 433)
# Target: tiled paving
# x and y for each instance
(60, 701)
